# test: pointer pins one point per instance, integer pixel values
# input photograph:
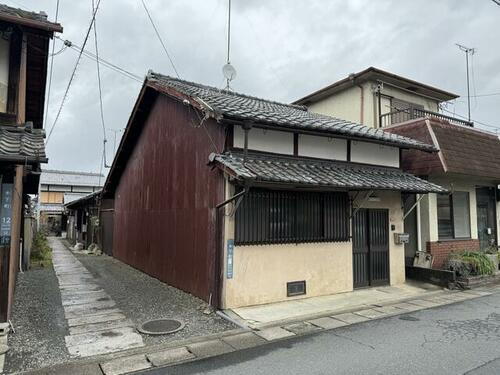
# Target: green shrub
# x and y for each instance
(471, 263)
(41, 253)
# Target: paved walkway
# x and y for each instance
(96, 324)
(272, 313)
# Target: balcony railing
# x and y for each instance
(401, 115)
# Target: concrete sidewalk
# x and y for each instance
(190, 350)
(274, 313)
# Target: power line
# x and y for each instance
(490, 94)
(51, 68)
(104, 140)
(159, 37)
(101, 61)
(74, 71)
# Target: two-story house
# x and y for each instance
(243, 201)
(58, 188)
(467, 164)
(24, 45)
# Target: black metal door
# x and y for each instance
(370, 247)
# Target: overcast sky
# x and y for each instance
(282, 50)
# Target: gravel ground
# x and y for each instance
(142, 297)
(38, 319)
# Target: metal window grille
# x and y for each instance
(270, 217)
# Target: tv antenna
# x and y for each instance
(228, 70)
(468, 51)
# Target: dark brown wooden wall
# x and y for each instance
(164, 216)
(106, 219)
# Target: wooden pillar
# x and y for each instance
(17, 196)
(15, 234)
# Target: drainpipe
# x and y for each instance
(362, 104)
(379, 87)
(246, 127)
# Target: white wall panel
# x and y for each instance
(264, 140)
(373, 153)
(322, 147)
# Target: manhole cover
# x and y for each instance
(409, 318)
(160, 326)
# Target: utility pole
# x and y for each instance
(467, 51)
(114, 138)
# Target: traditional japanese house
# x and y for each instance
(24, 44)
(243, 201)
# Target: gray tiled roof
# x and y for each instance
(243, 107)
(17, 143)
(37, 19)
(71, 178)
(349, 176)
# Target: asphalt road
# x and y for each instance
(462, 338)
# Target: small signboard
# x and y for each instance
(6, 214)
(229, 265)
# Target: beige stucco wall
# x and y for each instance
(346, 104)
(260, 273)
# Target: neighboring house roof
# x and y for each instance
(71, 178)
(51, 207)
(70, 197)
(22, 144)
(375, 74)
(27, 18)
(230, 105)
(89, 198)
(267, 169)
(463, 150)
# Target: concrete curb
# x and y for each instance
(189, 350)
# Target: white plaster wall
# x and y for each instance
(264, 140)
(322, 147)
(373, 153)
(4, 72)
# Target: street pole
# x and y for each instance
(467, 51)
(468, 89)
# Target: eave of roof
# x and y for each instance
(373, 73)
(329, 175)
(83, 200)
(29, 19)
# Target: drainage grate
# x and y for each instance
(160, 326)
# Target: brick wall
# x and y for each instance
(441, 249)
